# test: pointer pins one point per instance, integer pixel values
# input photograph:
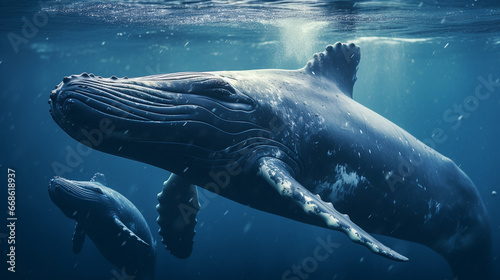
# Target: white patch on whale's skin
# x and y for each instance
(331, 221)
(284, 187)
(434, 208)
(354, 235)
(345, 183)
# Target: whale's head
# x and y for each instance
(154, 119)
(76, 199)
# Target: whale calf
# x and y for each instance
(111, 221)
(288, 142)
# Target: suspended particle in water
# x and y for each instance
(247, 227)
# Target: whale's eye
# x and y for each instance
(213, 87)
(95, 189)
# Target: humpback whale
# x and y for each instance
(288, 142)
(111, 221)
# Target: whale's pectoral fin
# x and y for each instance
(277, 174)
(78, 238)
(177, 209)
(127, 234)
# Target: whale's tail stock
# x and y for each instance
(469, 252)
(465, 237)
(473, 264)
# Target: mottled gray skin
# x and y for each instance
(217, 130)
(111, 221)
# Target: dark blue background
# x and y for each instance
(411, 83)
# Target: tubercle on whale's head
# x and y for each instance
(76, 199)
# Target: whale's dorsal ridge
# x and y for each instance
(99, 178)
(339, 63)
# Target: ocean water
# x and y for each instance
(420, 61)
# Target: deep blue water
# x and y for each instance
(419, 59)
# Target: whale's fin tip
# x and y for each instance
(276, 173)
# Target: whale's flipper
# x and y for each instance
(78, 238)
(177, 209)
(127, 234)
(339, 63)
(276, 173)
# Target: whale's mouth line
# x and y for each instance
(140, 103)
(173, 114)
